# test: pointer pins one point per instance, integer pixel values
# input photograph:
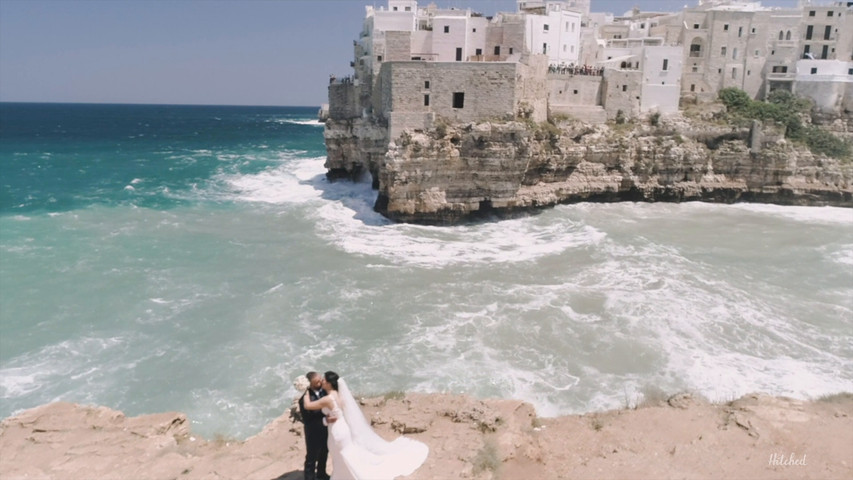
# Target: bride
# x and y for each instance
(357, 452)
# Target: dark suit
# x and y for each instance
(316, 435)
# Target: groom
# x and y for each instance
(316, 433)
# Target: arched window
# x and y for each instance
(781, 35)
(696, 48)
(624, 65)
(788, 36)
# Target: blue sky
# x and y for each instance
(221, 52)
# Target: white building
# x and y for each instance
(553, 29)
(661, 87)
(828, 82)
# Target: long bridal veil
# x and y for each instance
(404, 455)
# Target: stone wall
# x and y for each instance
(398, 46)
(488, 89)
(343, 101)
(621, 91)
(574, 89)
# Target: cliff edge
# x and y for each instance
(458, 172)
(756, 437)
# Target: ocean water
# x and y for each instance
(162, 258)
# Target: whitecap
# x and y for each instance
(827, 215)
(313, 123)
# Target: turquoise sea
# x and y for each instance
(194, 258)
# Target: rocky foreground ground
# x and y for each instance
(754, 437)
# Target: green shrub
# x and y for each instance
(734, 98)
(785, 109)
(654, 119)
(822, 141)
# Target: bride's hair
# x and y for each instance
(332, 378)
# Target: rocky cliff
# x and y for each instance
(756, 437)
(454, 173)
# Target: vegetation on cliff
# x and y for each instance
(784, 108)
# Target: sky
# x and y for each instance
(215, 52)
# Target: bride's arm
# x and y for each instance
(315, 404)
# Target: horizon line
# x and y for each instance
(45, 102)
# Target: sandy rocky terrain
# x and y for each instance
(754, 437)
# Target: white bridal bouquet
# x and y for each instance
(300, 384)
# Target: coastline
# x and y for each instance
(755, 436)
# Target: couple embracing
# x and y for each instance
(335, 425)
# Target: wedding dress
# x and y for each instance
(358, 453)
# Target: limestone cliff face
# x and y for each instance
(354, 147)
(457, 173)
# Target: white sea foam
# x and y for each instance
(830, 215)
(289, 183)
(313, 123)
(844, 255)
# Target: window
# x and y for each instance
(809, 31)
(395, 9)
(408, 9)
(692, 87)
(726, 27)
(781, 35)
(624, 88)
(734, 73)
(497, 49)
(811, 13)
(723, 51)
(458, 54)
(829, 13)
(695, 26)
(426, 84)
(575, 92)
(827, 32)
(788, 35)
(545, 27)
(565, 48)
(824, 54)
(474, 30)
(478, 52)
(426, 100)
(458, 99)
(665, 64)
(510, 50)
(850, 71)
(757, 53)
(567, 26)
(544, 48)
(814, 70)
(447, 29)
(739, 31)
(734, 53)
(695, 50)
(695, 68)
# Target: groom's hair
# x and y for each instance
(310, 375)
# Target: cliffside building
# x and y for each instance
(415, 65)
